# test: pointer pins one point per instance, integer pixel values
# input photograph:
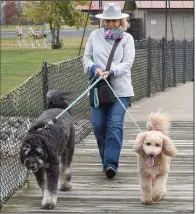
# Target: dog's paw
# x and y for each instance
(49, 202)
(159, 196)
(146, 201)
(65, 187)
(48, 206)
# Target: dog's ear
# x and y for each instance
(169, 148)
(137, 147)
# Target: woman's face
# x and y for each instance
(111, 24)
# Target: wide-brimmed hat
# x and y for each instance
(112, 11)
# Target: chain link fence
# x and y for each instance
(158, 64)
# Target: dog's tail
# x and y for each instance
(159, 122)
(57, 99)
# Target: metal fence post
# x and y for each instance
(193, 60)
(149, 67)
(184, 61)
(163, 65)
(45, 83)
(174, 62)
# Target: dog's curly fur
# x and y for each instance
(154, 149)
(48, 151)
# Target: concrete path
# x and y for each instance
(63, 33)
(177, 101)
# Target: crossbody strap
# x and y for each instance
(112, 54)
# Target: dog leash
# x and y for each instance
(51, 122)
(122, 104)
(96, 99)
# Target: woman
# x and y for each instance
(108, 122)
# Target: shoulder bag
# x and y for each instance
(101, 95)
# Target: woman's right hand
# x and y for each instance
(98, 72)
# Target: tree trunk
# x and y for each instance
(52, 33)
(53, 36)
(57, 37)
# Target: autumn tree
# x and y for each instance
(10, 12)
(56, 13)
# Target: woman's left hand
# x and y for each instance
(106, 73)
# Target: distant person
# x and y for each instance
(108, 122)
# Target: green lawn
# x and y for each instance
(18, 64)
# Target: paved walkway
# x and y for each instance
(93, 193)
(177, 101)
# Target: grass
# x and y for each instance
(18, 64)
(39, 27)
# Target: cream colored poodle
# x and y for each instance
(154, 149)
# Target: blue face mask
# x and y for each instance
(113, 34)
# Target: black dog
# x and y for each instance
(44, 148)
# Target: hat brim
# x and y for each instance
(123, 15)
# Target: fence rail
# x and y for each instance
(158, 64)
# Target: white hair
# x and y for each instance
(123, 22)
